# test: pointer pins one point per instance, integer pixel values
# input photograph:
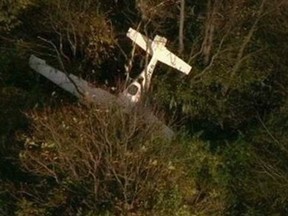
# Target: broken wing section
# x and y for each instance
(59, 78)
(71, 83)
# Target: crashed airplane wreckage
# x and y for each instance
(132, 94)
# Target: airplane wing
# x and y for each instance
(80, 87)
(161, 52)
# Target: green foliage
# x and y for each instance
(80, 27)
(27, 208)
(10, 10)
(231, 74)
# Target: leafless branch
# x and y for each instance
(181, 26)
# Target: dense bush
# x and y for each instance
(105, 158)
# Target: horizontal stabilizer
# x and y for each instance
(161, 53)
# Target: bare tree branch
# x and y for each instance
(181, 26)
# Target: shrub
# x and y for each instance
(10, 11)
(103, 157)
